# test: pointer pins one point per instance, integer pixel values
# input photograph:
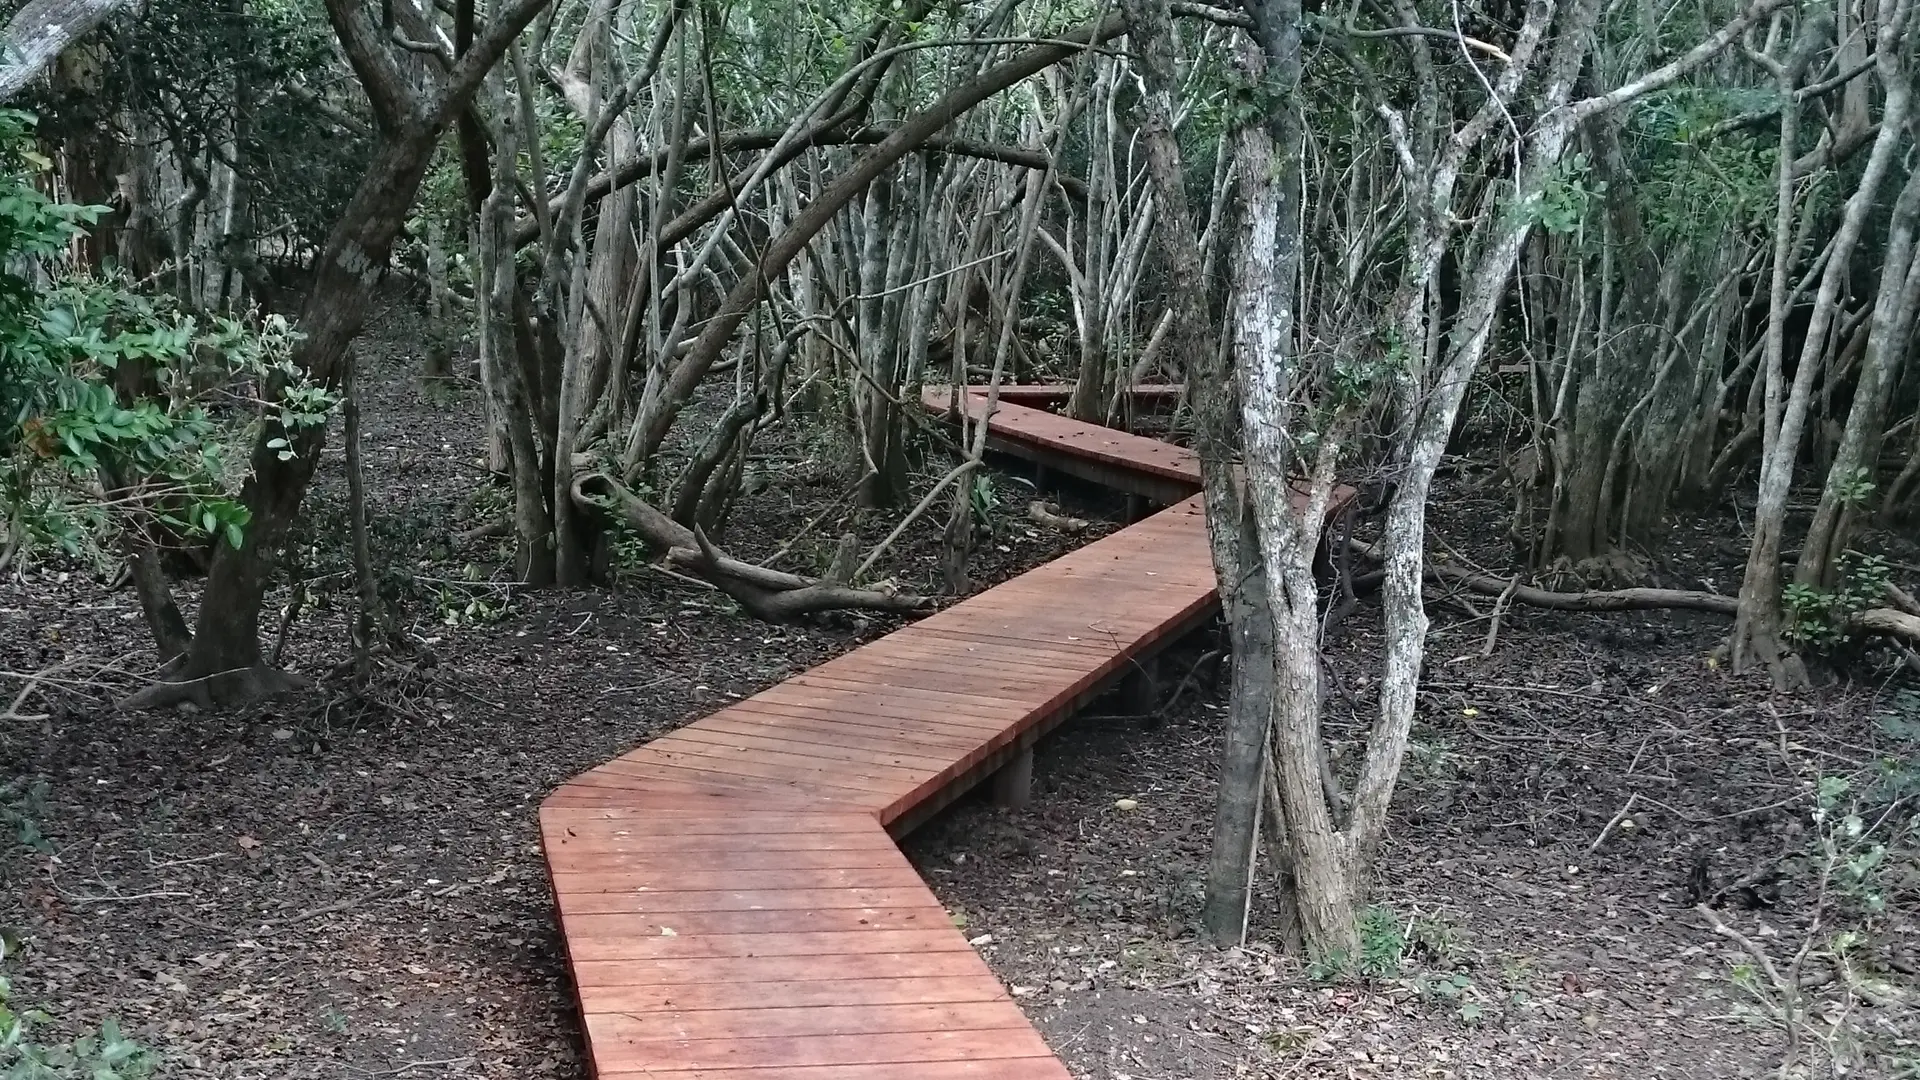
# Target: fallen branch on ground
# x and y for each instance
(1885, 622)
(773, 595)
(1046, 513)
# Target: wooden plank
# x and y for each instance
(877, 877)
(1029, 1068)
(686, 924)
(763, 1023)
(654, 902)
(648, 762)
(901, 1049)
(641, 826)
(828, 730)
(611, 843)
(591, 974)
(659, 865)
(875, 752)
(825, 947)
(1032, 1068)
(821, 993)
(769, 761)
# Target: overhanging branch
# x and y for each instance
(39, 32)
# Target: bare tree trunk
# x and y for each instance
(497, 292)
(1232, 527)
(370, 621)
(1852, 472)
(1758, 627)
(439, 363)
(224, 664)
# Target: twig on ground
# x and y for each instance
(333, 908)
(1499, 608)
(1614, 823)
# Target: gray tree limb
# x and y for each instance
(39, 32)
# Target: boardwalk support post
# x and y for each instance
(1013, 783)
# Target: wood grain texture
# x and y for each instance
(732, 903)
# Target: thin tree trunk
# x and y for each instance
(1854, 461)
(1758, 627)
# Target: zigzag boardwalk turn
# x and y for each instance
(733, 904)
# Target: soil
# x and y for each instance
(345, 885)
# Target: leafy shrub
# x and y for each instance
(118, 411)
(105, 1054)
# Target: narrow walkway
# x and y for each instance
(732, 900)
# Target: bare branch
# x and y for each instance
(1662, 77)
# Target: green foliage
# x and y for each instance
(105, 1054)
(1565, 195)
(1817, 618)
(1697, 188)
(180, 63)
(1382, 955)
(1855, 488)
(1897, 772)
(23, 806)
(106, 389)
(985, 499)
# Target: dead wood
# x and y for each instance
(1885, 622)
(1046, 513)
(773, 595)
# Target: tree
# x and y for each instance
(414, 102)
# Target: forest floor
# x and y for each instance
(349, 886)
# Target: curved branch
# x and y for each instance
(902, 140)
(636, 169)
(773, 595)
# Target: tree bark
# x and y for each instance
(1758, 626)
(40, 31)
(1853, 468)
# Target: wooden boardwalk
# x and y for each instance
(733, 904)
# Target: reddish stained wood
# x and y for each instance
(823, 947)
(727, 900)
(827, 731)
(592, 974)
(762, 1023)
(875, 752)
(795, 920)
(1032, 1068)
(732, 906)
(827, 993)
(777, 1052)
(615, 880)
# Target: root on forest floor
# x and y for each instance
(773, 595)
(220, 689)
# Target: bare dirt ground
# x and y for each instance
(338, 886)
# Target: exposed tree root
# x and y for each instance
(221, 689)
(1885, 622)
(773, 595)
(1048, 514)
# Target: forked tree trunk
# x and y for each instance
(1758, 628)
(224, 664)
(1851, 475)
